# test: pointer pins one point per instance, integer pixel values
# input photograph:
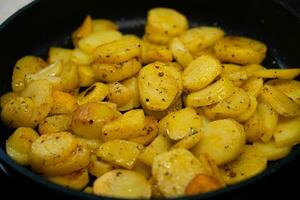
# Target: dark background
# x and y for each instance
(283, 184)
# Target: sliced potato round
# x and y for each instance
(18, 145)
(7, 97)
(86, 75)
(180, 52)
(95, 93)
(202, 183)
(173, 170)
(98, 167)
(277, 73)
(240, 50)
(253, 86)
(122, 183)
(223, 141)
(249, 111)
(201, 72)
(250, 163)
(188, 141)
(153, 52)
(271, 151)
(132, 85)
(118, 94)
(254, 127)
(63, 103)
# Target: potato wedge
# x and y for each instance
(129, 125)
(132, 85)
(63, 103)
(158, 86)
(174, 170)
(81, 58)
(152, 52)
(18, 145)
(271, 151)
(253, 86)
(212, 94)
(86, 75)
(98, 167)
(180, 52)
(89, 43)
(117, 72)
(159, 145)
(84, 30)
(118, 51)
(91, 144)
(76, 180)
(167, 21)
(118, 94)
(180, 124)
(120, 152)
(277, 73)
(201, 72)
(122, 183)
(250, 163)
(95, 93)
(240, 50)
(88, 119)
(157, 38)
(69, 77)
(54, 124)
(24, 66)
(58, 54)
(235, 73)
(200, 38)
(233, 106)
(279, 101)
(227, 136)
(287, 132)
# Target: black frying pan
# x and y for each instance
(40, 25)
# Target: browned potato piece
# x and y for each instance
(202, 183)
(81, 58)
(88, 119)
(118, 51)
(7, 97)
(24, 66)
(91, 144)
(86, 75)
(118, 94)
(277, 73)
(157, 38)
(240, 50)
(84, 30)
(254, 127)
(58, 54)
(18, 145)
(95, 93)
(98, 167)
(180, 52)
(236, 73)
(69, 77)
(117, 72)
(134, 102)
(152, 52)
(253, 86)
(55, 123)
(63, 103)
(103, 25)
(76, 180)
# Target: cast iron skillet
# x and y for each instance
(42, 24)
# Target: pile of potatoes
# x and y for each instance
(182, 111)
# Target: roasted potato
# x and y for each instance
(271, 151)
(58, 54)
(7, 97)
(152, 52)
(118, 94)
(81, 58)
(95, 93)
(253, 86)
(55, 123)
(63, 103)
(86, 75)
(132, 85)
(69, 77)
(188, 141)
(180, 52)
(98, 167)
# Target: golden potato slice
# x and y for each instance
(158, 86)
(287, 132)
(152, 52)
(117, 72)
(120, 152)
(58, 54)
(24, 66)
(118, 94)
(129, 125)
(63, 103)
(69, 77)
(277, 73)
(240, 50)
(91, 144)
(18, 145)
(118, 51)
(180, 52)
(122, 183)
(180, 124)
(212, 94)
(250, 69)
(84, 30)
(103, 25)
(7, 97)
(290, 88)
(50, 149)
(167, 21)
(271, 151)
(249, 111)
(269, 119)
(78, 159)
(97, 167)
(233, 106)
(76, 180)
(80, 57)
(254, 127)
(250, 163)
(223, 141)
(279, 101)
(235, 73)
(151, 129)
(157, 38)
(202, 184)
(159, 145)
(18, 112)
(201, 72)
(88, 119)
(142, 169)
(86, 75)
(188, 141)
(132, 85)
(95, 93)
(54, 124)
(253, 86)
(174, 170)
(89, 43)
